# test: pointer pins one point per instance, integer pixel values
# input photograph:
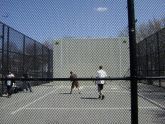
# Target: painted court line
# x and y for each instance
(114, 88)
(40, 98)
(14, 102)
(116, 92)
(152, 101)
(126, 108)
(21, 108)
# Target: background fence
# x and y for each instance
(126, 100)
(151, 56)
(21, 54)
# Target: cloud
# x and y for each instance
(101, 9)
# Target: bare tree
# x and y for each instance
(48, 44)
(145, 29)
(124, 32)
(163, 22)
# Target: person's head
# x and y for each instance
(9, 72)
(71, 72)
(24, 75)
(100, 67)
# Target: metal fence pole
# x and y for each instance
(42, 61)
(133, 62)
(34, 59)
(8, 45)
(2, 66)
(146, 58)
(158, 50)
(48, 73)
(23, 54)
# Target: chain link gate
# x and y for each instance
(130, 92)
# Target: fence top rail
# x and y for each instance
(84, 79)
(62, 79)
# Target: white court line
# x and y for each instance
(25, 107)
(62, 86)
(152, 101)
(126, 108)
(114, 88)
(14, 102)
(116, 92)
(21, 108)
(153, 93)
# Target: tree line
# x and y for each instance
(145, 29)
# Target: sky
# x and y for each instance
(46, 20)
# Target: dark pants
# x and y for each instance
(9, 90)
(26, 85)
(100, 87)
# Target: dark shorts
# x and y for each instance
(9, 90)
(75, 84)
(100, 86)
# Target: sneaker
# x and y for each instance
(102, 97)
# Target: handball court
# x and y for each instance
(52, 103)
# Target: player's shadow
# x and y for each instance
(88, 98)
(47, 85)
(64, 93)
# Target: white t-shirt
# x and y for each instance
(9, 81)
(101, 74)
(10, 76)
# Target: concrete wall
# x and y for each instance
(83, 56)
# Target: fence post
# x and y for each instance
(133, 62)
(2, 66)
(8, 45)
(34, 61)
(42, 61)
(24, 54)
(48, 71)
(158, 50)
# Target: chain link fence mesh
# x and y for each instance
(51, 102)
(23, 55)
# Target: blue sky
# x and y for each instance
(52, 19)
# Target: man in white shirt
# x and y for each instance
(100, 83)
(9, 83)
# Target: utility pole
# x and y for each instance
(133, 62)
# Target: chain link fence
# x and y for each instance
(52, 102)
(150, 56)
(23, 55)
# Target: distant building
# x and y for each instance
(84, 55)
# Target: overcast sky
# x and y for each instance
(52, 19)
